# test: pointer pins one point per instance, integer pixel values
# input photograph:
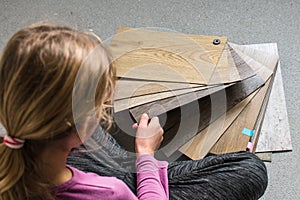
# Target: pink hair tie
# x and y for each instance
(13, 143)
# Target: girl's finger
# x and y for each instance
(144, 120)
(135, 126)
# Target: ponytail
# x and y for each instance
(11, 169)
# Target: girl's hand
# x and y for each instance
(148, 136)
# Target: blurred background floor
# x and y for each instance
(244, 22)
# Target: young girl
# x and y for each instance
(56, 85)
(38, 70)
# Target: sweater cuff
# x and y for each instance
(146, 163)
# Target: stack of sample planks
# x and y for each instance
(212, 96)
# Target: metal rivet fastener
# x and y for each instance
(216, 41)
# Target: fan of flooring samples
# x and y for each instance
(211, 94)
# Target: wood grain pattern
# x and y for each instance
(164, 105)
(174, 116)
(268, 56)
(167, 106)
(153, 55)
(209, 108)
(175, 138)
(198, 147)
(233, 140)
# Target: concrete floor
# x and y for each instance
(244, 22)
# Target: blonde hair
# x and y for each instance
(39, 71)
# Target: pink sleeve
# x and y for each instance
(152, 178)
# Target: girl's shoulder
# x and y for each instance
(91, 186)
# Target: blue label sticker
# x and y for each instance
(248, 132)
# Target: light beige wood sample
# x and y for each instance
(200, 145)
(127, 88)
(153, 55)
(127, 103)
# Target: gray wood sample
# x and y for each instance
(275, 132)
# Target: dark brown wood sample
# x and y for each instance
(209, 108)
